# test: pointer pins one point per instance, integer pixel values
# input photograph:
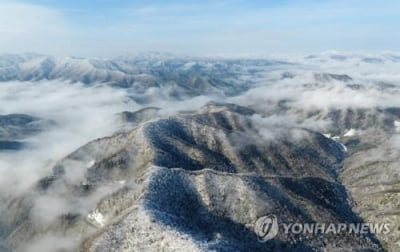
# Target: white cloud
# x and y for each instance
(32, 28)
(81, 113)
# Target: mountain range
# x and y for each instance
(310, 140)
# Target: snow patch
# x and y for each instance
(350, 133)
(336, 139)
(97, 218)
(343, 146)
(397, 125)
(329, 135)
(91, 163)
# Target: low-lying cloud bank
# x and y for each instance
(80, 114)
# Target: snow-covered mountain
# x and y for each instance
(139, 158)
(175, 78)
(186, 181)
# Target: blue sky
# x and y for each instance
(234, 27)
